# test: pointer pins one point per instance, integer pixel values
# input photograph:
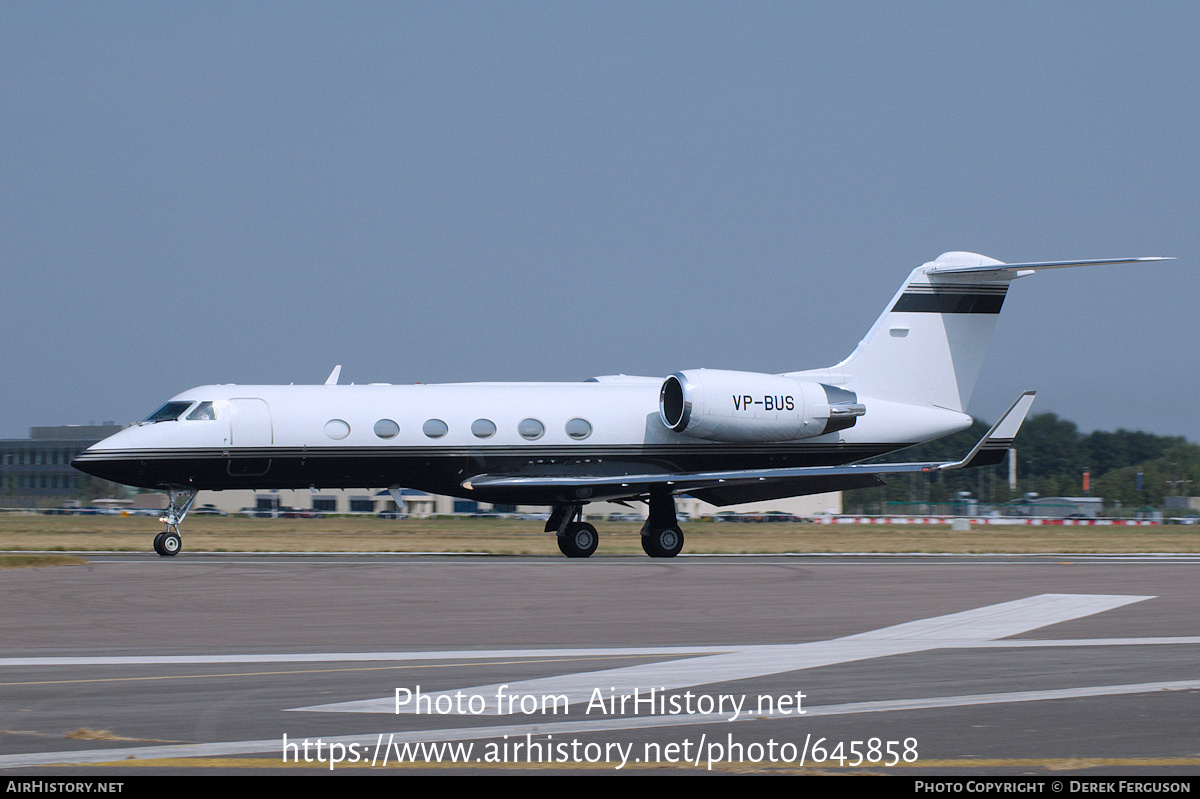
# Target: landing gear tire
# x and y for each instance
(168, 544)
(579, 541)
(665, 543)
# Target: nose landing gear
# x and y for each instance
(168, 543)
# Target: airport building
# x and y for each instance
(36, 471)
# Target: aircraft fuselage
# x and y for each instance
(433, 437)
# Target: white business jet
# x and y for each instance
(723, 437)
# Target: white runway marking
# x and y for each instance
(953, 630)
(525, 654)
(974, 628)
(542, 729)
(355, 657)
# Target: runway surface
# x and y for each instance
(937, 665)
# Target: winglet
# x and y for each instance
(991, 448)
(334, 375)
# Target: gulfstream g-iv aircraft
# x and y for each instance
(724, 437)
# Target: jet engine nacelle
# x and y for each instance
(720, 405)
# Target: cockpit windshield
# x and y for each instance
(204, 411)
(167, 413)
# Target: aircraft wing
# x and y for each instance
(731, 487)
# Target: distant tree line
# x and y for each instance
(1052, 456)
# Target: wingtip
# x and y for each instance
(992, 447)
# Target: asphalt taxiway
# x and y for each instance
(935, 664)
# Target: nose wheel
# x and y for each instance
(169, 542)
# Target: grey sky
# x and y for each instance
(252, 193)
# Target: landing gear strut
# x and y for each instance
(169, 542)
(661, 536)
(576, 538)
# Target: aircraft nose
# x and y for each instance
(109, 459)
(97, 464)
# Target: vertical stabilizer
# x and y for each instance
(928, 346)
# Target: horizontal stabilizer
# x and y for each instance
(1034, 266)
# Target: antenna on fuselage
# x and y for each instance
(334, 375)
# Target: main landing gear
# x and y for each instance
(169, 542)
(576, 538)
(661, 536)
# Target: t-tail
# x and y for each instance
(928, 346)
